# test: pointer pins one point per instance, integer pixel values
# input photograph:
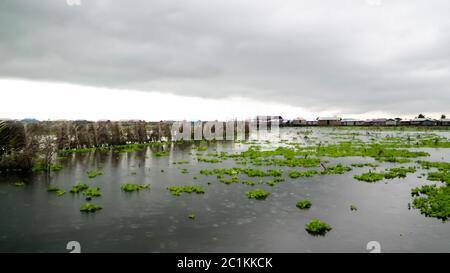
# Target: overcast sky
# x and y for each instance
(359, 58)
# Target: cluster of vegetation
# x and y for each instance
(389, 174)
(361, 165)
(317, 227)
(258, 194)
(178, 190)
(208, 160)
(57, 190)
(338, 169)
(432, 201)
(248, 171)
(90, 207)
(304, 204)
(133, 187)
(19, 184)
(79, 187)
(94, 173)
(92, 192)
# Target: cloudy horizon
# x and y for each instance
(224, 59)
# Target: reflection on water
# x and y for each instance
(32, 220)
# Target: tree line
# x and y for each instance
(23, 145)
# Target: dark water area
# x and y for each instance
(153, 220)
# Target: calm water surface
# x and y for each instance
(33, 220)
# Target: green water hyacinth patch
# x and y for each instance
(94, 173)
(297, 174)
(370, 177)
(92, 192)
(178, 190)
(79, 187)
(208, 160)
(304, 204)
(19, 184)
(90, 207)
(441, 166)
(258, 194)
(133, 187)
(57, 190)
(439, 176)
(432, 201)
(317, 227)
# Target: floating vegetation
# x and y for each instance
(439, 176)
(56, 167)
(94, 173)
(258, 194)
(181, 162)
(178, 190)
(249, 172)
(303, 204)
(90, 207)
(58, 191)
(441, 166)
(19, 184)
(432, 201)
(297, 174)
(133, 187)
(162, 153)
(393, 160)
(317, 227)
(92, 192)
(79, 187)
(184, 170)
(191, 216)
(360, 165)
(338, 169)
(370, 177)
(390, 174)
(208, 160)
(353, 208)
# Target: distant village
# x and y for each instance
(420, 120)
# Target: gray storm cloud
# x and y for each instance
(351, 55)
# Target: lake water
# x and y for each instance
(34, 220)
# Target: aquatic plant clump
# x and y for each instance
(304, 204)
(258, 194)
(19, 184)
(178, 190)
(90, 207)
(57, 190)
(441, 166)
(432, 201)
(317, 227)
(390, 174)
(79, 187)
(297, 174)
(370, 177)
(439, 176)
(92, 192)
(133, 187)
(94, 173)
